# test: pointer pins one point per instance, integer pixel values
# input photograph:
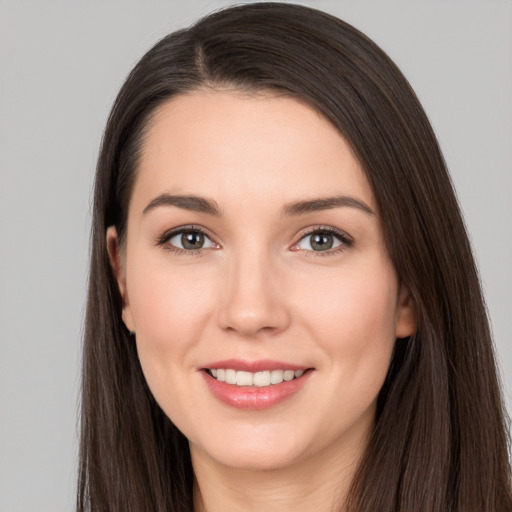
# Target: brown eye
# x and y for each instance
(190, 240)
(321, 241)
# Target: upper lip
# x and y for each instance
(253, 366)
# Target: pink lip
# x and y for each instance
(252, 397)
(253, 366)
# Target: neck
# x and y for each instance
(318, 483)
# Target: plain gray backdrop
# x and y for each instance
(61, 65)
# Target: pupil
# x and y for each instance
(321, 242)
(192, 240)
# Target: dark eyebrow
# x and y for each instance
(313, 205)
(193, 203)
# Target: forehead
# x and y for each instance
(259, 147)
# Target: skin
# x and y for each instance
(257, 291)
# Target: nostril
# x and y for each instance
(251, 321)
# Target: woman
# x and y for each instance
(284, 312)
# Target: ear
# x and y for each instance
(406, 316)
(116, 262)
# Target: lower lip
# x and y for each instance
(252, 397)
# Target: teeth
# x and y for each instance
(288, 375)
(261, 379)
(230, 376)
(244, 378)
(276, 376)
(258, 379)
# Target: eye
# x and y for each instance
(322, 240)
(188, 240)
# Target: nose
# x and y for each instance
(253, 301)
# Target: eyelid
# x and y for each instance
(345, 239)
(167, 235)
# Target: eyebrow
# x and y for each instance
(327, 203)
(192, 203)
(210, 206)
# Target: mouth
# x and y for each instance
(258, 379)
(255, 385)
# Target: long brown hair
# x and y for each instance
(440, 442)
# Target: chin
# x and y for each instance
(255, 452)
(255, 460)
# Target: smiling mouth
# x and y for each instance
(257, 379)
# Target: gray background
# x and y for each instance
(61, 64)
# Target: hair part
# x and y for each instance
(440, 442)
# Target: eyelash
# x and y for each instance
(345, 240)
(164, 238)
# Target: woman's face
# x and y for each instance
(254, 252)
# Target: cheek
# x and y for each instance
(353, 324)
(170, 309)
(355, 300)
(353, 321)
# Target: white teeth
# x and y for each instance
(288, 375)
(258, 379)
(243, 379)
(261, 379)
(231, 376)
(276, 376)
